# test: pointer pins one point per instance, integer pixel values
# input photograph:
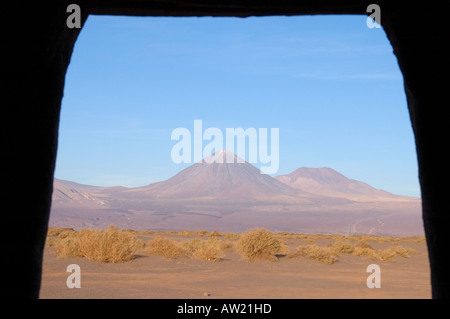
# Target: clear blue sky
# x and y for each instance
(330, 84)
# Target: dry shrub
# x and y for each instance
(51, 241)
(70, 247)
(185, 233)
(363, 248)
(201, 233)
(363, 244)
(164, 247)
(55, 234)
(166, 232)
(404, 252)
(53, 231)
(214, 233)
(384, 254)
(412, 239)
(326, 255)
(108, 246)
(364, 251)
(389, 253)
(341, 246)
(59, 231)
(211, 249)
(260, 243)
(417, 239)
(286, 235)
(227, 244)
(382, 239)
(289, 235)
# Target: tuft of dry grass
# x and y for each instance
(363, 244)
(260, 243)
(404, 252)
(58, 232)
(211, 249)
(362, 248)
(341, 246)
(108, 246)
(185, 233)
(115, 245)
(387, 254)
(364, 251)
(54, 235)
(327, 255)
(164, 247)
(214, 233)
(201, 233)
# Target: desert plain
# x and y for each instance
(288, 276)
(322, 232)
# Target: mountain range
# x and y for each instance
(234, 197)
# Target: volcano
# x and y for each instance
(224, 195)
(328, 182)
(216, 178)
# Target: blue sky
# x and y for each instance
(329, 83)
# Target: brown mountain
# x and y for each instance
(66, 193)
(206, 180)
(328, 182)
(235, 197)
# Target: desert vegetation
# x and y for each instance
(330, 254)
(260, 243)
(326, 255)
(164, 247)
(211, 249)
(386, 254)
(109, 246)
(115, 246)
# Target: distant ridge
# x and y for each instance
(328, 182)
(235, 197)
(214, 177)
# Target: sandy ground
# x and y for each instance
(154, 277)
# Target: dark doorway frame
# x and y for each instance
(38, 48)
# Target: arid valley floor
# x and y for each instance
(290, 277)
